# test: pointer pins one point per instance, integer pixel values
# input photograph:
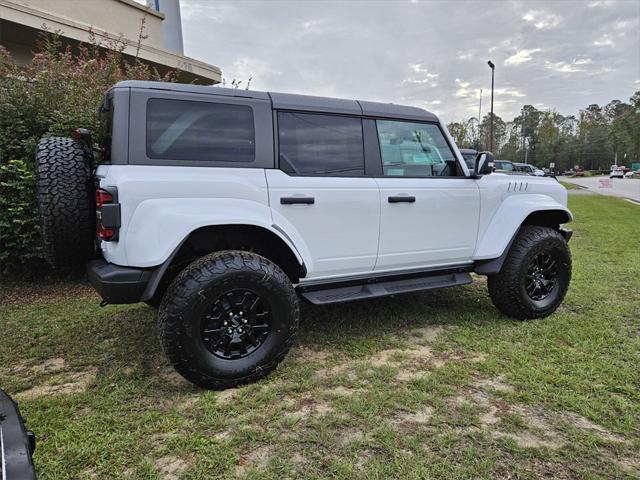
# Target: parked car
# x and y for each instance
(528, 168)
(17, 444)
(616, 173)
(225, 206)
(469, 155)
(504, 166)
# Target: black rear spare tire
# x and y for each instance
(228, 318)
(535, 276)
(66, 202)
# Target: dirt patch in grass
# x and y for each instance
(422, 416)
(63, 384)
(341, 391)
(305, 355)
(171, 468)
(349, 435)
(498, 384)
(258, 458)
(307, 406)
(525, 439)
(24, 293)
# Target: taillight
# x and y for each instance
(105, 233)
(102, 197)
(107, 215)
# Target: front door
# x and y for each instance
(321, 194)
(429, 213)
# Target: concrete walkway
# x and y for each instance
(616, 187)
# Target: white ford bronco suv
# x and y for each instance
(223, 207)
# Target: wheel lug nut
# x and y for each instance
(240, 330)
(244, 320)
(230, 330)
(240, 313)
(231, 314)
(225, 323)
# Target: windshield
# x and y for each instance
(507, 166)
(469, 159)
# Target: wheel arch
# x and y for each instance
(210, 238)
(494, 245)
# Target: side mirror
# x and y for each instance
(484, 163)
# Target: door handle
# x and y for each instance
(294, 200)
(402, 198)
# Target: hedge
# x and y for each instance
(57, 92)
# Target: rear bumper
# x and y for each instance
(17, 444)
(117, 284)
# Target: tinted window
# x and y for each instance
(414, 150)
(312, 144)
(185, 130)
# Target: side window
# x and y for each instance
(313, 144)
(414, 150)
(188, 130)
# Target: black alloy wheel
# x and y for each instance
(237, 324)
(542, 276)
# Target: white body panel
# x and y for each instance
(340, 229)
(350, 229)
(161, 205)
(505, 201)
(439, 228)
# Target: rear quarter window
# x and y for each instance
(199, 131)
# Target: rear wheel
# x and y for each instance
(535, 276)
(65, 202)
(228, 318)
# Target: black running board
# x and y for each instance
(382, 289)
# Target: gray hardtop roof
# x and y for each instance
(468, 150)
(289, 101)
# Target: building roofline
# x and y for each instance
(79, 31)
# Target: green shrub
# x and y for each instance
(59, 91)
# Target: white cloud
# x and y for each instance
(521, 56)
(542, 19)
(568, 67)
(314, 26)
(423, 76)
(599, 3)
(604, 41)
(637, 82)
(508, 92)
(462, 55)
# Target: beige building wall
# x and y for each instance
(20, 21)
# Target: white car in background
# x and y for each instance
(616, 173)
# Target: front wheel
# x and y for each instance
(535, 276)
(228, 318)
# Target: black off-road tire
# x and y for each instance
(187, 304)
(66, 202)
(508, 288)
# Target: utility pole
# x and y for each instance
(493, 69)
(479, 119)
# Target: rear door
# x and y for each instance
(429, 211)
(319, 193)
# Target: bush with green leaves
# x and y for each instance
(58, 91)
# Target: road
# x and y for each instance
(617, 187)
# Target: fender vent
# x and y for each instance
(517, 186)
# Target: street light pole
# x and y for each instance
(493, 69)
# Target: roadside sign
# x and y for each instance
(552, 165)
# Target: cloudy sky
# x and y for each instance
(561, 54)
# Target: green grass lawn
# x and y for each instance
(570, 186)
(429, 385)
